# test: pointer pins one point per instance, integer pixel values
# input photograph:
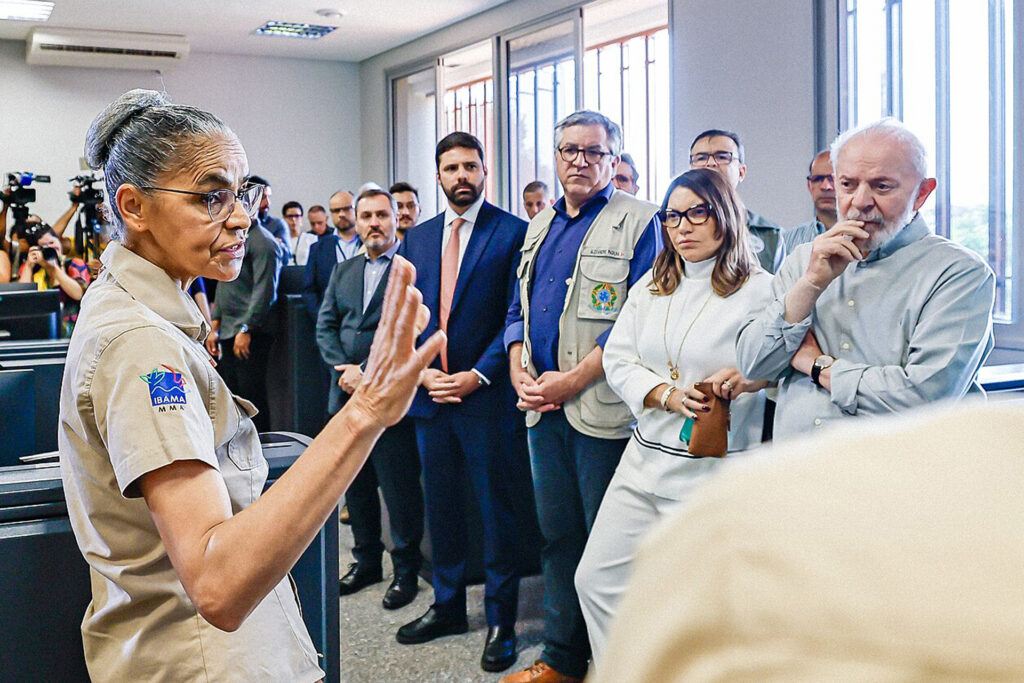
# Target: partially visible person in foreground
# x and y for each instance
(881, 551)
(162, 466)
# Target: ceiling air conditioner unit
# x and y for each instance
(105, 49)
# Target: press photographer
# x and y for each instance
(48, 268)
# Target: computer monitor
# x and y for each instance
(18, 287)
(17, 415)
(30, 315)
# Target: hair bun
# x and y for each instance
(116, 114)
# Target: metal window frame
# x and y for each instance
(503, 129)
(1002, 229)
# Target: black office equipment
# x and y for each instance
(18, 287)
(49, 373)
(17, 415)
(30, 314)
(46, 581)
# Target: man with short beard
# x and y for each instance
(467, 425)
(344, 330)
(876, 315)
(407, 199)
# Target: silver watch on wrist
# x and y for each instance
(822, 362)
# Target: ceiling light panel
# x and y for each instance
(291, 29)
(25, 10)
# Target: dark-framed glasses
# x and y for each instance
(704, 158)
(570, 153)
(220, 203)
(695, 215)
(819, 179)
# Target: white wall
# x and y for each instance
(297, 119)
(745, 65)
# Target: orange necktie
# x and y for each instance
(449, 275)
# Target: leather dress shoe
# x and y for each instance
(401, 592)
(499, 649)
(434, 624)
(358, 578)
(539, 673)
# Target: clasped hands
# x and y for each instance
(545, 393)
(727, 383)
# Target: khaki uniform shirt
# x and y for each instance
(139, 393)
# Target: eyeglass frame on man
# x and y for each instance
(818, 179)
(587, 153)
(666, 216)
(208, 197)
(728, 158)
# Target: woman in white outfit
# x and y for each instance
(678, 327)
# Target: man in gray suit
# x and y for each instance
(344, 330)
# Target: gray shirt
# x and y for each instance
(908, 325)
(802, 234)
(247, 299)
(374, 270)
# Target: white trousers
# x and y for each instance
(626, 516)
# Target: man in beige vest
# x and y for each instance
(579, 259)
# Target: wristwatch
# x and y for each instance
(822, 362)
(243, 329)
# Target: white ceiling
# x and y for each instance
(367, 28)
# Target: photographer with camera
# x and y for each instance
(47, 266)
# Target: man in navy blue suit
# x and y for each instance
(330, 249)
(465, 414)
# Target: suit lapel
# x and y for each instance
(351, 288)
(482, 231)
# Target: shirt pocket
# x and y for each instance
(600, 406)
(243, 448)
(602, 287)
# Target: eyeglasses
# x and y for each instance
(819, 179)
(703, 158)
(290, 216)
(220, 203)
(570, 153)
(695, 215)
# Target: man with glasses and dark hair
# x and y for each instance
(241, 306)
(407, 199)
(722, 151)
(626, 175)
(579, 259)
(293, 214)
(822, 186)
(274, 225)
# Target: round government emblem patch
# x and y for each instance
(603, 297)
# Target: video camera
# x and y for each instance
(21, 195)
(89, 194)
(90, 219)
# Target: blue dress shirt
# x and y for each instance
(555, 263)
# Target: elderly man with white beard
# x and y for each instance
(877, 314)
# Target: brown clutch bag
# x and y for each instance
(710, 434)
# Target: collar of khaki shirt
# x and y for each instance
(150, 284)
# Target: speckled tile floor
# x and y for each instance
(369, 651)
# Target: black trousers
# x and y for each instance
(248, 377)
(394, 467)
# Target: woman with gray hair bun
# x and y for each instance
(162, 466)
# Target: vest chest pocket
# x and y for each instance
(602, 287)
